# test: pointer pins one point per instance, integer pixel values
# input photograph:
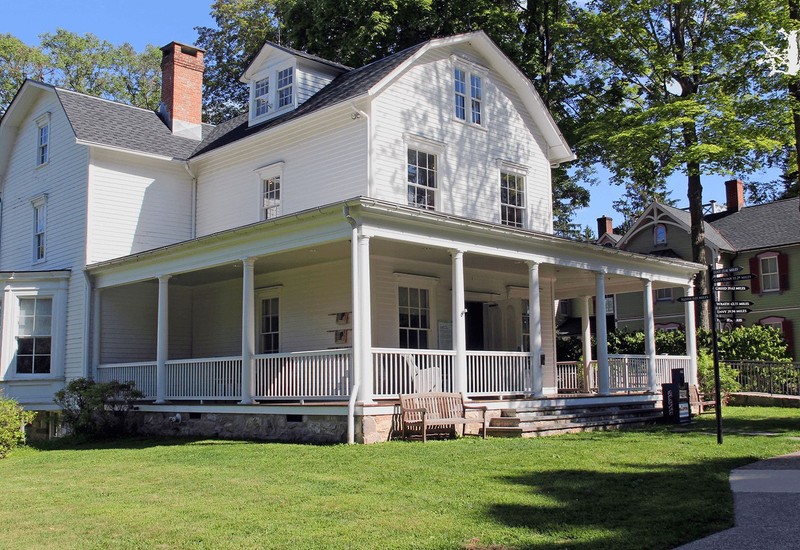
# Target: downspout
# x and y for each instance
(351, 403)
(356, 115)
(193, 231)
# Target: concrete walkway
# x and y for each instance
(766, 500)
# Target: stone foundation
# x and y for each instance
(269, 427)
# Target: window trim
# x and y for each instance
(270, 73)
(268, 293)
(274, 170)
(769, 256)
(504, 169)
(772, 321)
(37, 203)
(656, 240)
(470, 70)
(664, 299)
(422, 282)
(43, 122)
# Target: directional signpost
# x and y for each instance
(731, 288)
(693, 298)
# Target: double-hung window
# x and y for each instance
(271, 92)
(421, 179)
(770, 280)
(271, 177)
(268, 326)
(285, 87)
(468, 96)
(261, 97)
(663, 294)
(39, 228)
(43, 139)
(512, 199)
(34, 335)
(414, 317)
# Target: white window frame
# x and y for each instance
(41, 285)
(659, 230)
(43, 145)
(429, 147)
(506, 168)
(261, 98)
(470, 97)
(288, 84)
(37, 319)
(39, 205)
(774, 322)
(420, 282)
(610, 304)
(262, 294)
(663, 295)
(274, 208)
(774, 276)
(271, 98)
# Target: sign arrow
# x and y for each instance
(733, 311)
(735, 303)
(731, 288)
(731, 269)
(730, 320)
(727, 278)
(693, 298)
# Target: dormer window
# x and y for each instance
(262, 96)
(272, 92)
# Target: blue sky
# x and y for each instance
(158, 22)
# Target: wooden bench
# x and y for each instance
(699, 399)
(431, 411)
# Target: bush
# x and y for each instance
(705, 376)
(97, 410)
(13, 420)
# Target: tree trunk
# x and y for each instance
(695, 196)
(794, 98)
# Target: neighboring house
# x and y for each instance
(289, 272)
(763, 239)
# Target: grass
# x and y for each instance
(652, 488)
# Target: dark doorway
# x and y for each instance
(474, 325)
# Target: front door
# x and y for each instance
(475, 325)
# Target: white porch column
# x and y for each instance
(602, 334)
(96, 297)
(365, 388)
(535, 320)
(650, 336)
(162, 340)
(248, 329)
(459, 324)
(691, 336)
(586, 331)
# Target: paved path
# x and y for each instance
(766, 500)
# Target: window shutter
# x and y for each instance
(783, 271)
(788, 335)
(755, 269)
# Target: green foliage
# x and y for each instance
(753, 343)
(18, 61)
(13, 419)
(728, 376)
(96, 410)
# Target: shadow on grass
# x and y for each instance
(133, 442)
(649, 507)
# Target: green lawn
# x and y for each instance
(653, 488)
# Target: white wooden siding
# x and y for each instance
(136, 204)
(128, 325)
(420, 103)
(323, 163)
(63, 179)
(309, 82)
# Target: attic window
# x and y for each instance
(285, 79)
(660, 234)
(468, 92)
(271, 92)
(43, 139)
(262, 96)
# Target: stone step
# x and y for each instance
(504, 422)
(504, 431)
(552, 429)
(597, 414)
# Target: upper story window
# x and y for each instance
(512, 199)
(769, 274)
(660, 234)
(772, 272)
(421, 179)
(271, 92)
(43, 139)
(261, 97)
(468, 94)
(271, 177)
(285, 87)
(39, 227)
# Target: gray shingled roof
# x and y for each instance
(713, 236)
(113, 124)
(761, 226)
(345, 86)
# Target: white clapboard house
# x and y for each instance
(357, 234)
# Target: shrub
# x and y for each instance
(705, 375)
(13, 420)
(96, 410)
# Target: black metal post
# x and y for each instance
(713, 307)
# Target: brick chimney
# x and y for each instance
(604, 225)
(734, 195)
(182, 89)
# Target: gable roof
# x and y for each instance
(760, 226)
(268, 46)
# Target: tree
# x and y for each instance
(18, 61)
(678, 77)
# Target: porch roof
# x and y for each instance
(383, 219)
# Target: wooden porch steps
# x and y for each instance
(541, 421)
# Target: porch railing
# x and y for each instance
(767, 377)
(397, 371)
(143, 375)
(626, 372)
(321, 374)
(570, 378)
(216, 378)
(498, 372)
